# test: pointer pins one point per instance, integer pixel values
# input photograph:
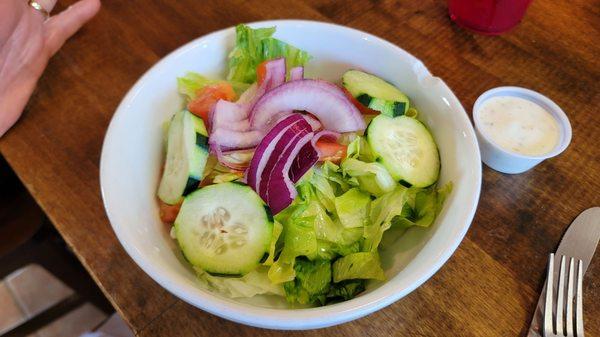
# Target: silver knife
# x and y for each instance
(580, 241)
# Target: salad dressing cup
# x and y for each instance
(508, 161)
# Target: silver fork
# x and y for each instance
(555, 327)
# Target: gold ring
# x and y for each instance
(36, 5)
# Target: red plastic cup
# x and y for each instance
(487, 16)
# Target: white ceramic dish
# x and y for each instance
(132, 158)
(509, 161)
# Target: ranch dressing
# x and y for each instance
(518, 125)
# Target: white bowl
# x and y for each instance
(511, 162)
(132, 158)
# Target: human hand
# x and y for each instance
(27, 41)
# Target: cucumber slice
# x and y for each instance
(406, 148)
(224, 229)
(187, 152)
(389, 108)
(376, 93)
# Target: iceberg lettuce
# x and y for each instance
(189, 85)
(383, 210)
(422, 206)
(361, 150)
(362, 265)
(253, 46)
(345, 290)
(312, 282)
(371, 177)
(277, 229)
(254, 283)
(299, 240)
(353, 208)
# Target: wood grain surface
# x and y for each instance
(490, 285)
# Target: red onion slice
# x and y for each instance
(280, 190)
(229, 111)
(309, 155)
(323, 99)
(314, 123)
(229, 115)
(235, 139)
(282, 153)
(286, 150)
(248, 96)
(275, 75)
(229, 123)
(306, 158)
(265, 148)
(296, 73)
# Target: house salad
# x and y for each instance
(279, 184)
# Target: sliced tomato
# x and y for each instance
(168, 213)
(261, 72)
(208, 96)
(363, 109)
(332, 151)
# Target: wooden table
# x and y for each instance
(490, 285)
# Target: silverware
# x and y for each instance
(579, 242)
(562, 325)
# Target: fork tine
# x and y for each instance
(570, 285)
(548, 329)
(579, 300)
(560, 298)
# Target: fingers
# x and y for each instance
(41, 8)
(48, 5)
(62, 26)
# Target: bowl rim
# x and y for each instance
(305, 318)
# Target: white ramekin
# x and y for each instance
(507, 161)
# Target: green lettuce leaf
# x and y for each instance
(299, 240)
(353, 208)
(284, 216)
(324, 182)
(329, 229)
(273, 48)
(345, 290)
(332, 219)
(312, 282)
(383, 210)
(277, 229)
(442, 194)
(328, 250)
(362, 265)
(333, 173)
(325, 228)
(315, 206)
(189, 85)
(247, 53)
(322, 190)
(253, 46)
(254, 283)
(360, 149)
(422, 206)
(372, 177)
